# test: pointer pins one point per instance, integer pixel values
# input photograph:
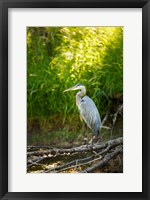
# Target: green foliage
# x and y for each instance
(60, 57)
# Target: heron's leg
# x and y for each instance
(111, 132)
(92, 141)
(84, 133)
(98, 139)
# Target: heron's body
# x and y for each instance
(87, 109)
(90, 114)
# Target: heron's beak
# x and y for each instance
(72, 88)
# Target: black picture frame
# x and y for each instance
(4, 6)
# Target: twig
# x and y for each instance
(105, 118)
(105, 160)
(36, 161)
(114, 120)
(105, 127)
(75, 166)
(35, 164)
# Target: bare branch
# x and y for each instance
(114, 119)
(105, 118)
(105, 160)
(84, 148)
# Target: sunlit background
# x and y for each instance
(60, 57)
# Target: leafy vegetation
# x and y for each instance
(60, 57)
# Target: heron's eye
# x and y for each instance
(82, 101)
(79, 84)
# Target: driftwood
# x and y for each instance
(83, 148)
(86, 155)
(82, 159)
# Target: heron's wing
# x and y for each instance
(90, 114)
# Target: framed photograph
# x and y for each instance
(74, 99)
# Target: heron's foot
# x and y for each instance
(91, 145)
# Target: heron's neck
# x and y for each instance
(79, 95)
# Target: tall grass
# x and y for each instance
(60, 57)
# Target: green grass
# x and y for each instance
(60, 57)
(56, 138)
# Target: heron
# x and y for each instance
(87, 110)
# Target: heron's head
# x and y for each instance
(76, 87)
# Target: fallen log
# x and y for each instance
(83, 148)
(77, 158)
